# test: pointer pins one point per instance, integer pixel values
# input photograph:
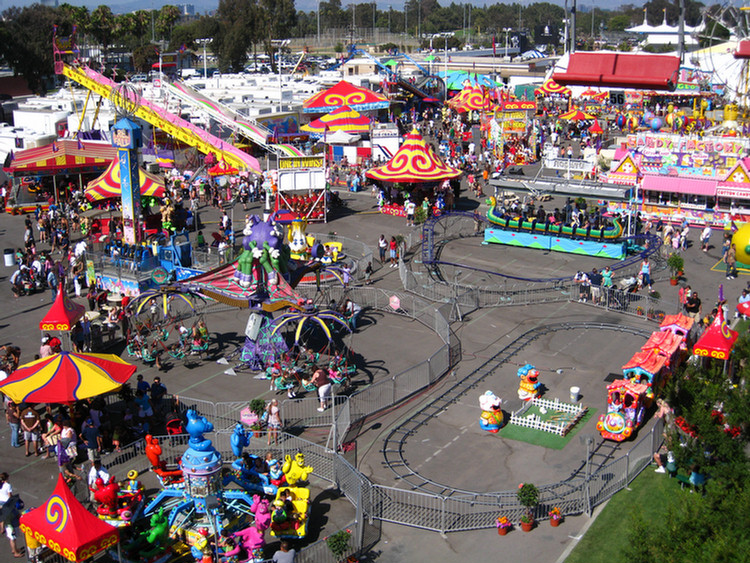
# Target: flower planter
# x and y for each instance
(554, 522)
(672, 281)
(527, 526)
(503, 531)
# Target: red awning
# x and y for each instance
(63, 314)
(621, 70)
(743, 50)
(156, 66)
(66, 527)
(679, 185)
(717, 340)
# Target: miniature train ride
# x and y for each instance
(645, 374)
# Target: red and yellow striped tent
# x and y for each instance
(414, 162)
(344, 94)
(62, 156)
(107, 185)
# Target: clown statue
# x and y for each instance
(529, 387)
(297, 238)
(491, 419)
(264, 256)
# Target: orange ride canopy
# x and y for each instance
(414, 162)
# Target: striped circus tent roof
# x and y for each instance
(413, 162)
(575, 115)
(471, 98)
(342, 119)
(108, 184)
(63, 155)
(552, 87)
(344, 94)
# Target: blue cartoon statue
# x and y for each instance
(240, 439)
(491, 419)
(196, 426)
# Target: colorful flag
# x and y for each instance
(183, 48)
(19, 143)
(494, 50)
(80, 143)
(55, 148)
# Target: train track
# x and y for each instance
(395, 442)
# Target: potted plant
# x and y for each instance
(639, 311)
(528, 496)
(555, 517)
(503, 525)
(338, 543)
(257, 407)
(675, 263)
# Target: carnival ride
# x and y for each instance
(67, 63)
(645, 373)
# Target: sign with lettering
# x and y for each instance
(301, 162)
(571, 164)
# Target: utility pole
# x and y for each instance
(318, 23)
(419, 24)
(573, 10)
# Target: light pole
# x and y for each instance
(318, 23)
(507, 31)
(204, 42)
(279, 44)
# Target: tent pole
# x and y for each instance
(54, 183)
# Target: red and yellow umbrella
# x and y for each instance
(471, 98)
(575, 115)
(66, 377)
(342, 119)
(413, 162)
(222, 169)
(107, 185)
(344, 94)
(552, 87)
(596, 129)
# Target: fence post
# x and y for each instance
(359, 517)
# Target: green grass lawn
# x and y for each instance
(650, 494)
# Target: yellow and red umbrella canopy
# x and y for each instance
(342, 119)
(107, 185)
(552, 87)
(575, 115)
(471, 98)
(596, 129)
(413, 162)
(65, 377)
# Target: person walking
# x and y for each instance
(285, 554)
(274, 421)
(646, 273)
(730, 259)
(323, 383)
(705, 236)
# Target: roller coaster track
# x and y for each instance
(394, 445)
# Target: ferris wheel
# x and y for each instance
(725, 38)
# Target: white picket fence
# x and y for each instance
(535, 422)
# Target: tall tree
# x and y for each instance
(166, 19)
(237, 26)
(25, 36)
(102, 24)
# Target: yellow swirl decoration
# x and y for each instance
(57, 513)
(334, 99)
(725, 330)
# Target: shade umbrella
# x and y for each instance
(575, 115)
(66, 377)
(430, 58)
(413, 162)
(471, 99)
(717, 340)
(596, 129)
(458, 79)
(391, 62)
(552, 87)
(108, 186)
(343, 119)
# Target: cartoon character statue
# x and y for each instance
(263, 516)
(529, 387)
(296, 470)
(491, 419)
(275, 473)
(151, 541)
(253, 541)
(240, 439)
(264, 256)
(133, 486)
(153, 450)
(106, 496)
(298, 240)
(196, 427)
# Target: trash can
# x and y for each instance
(10, 257)
(574, 394)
